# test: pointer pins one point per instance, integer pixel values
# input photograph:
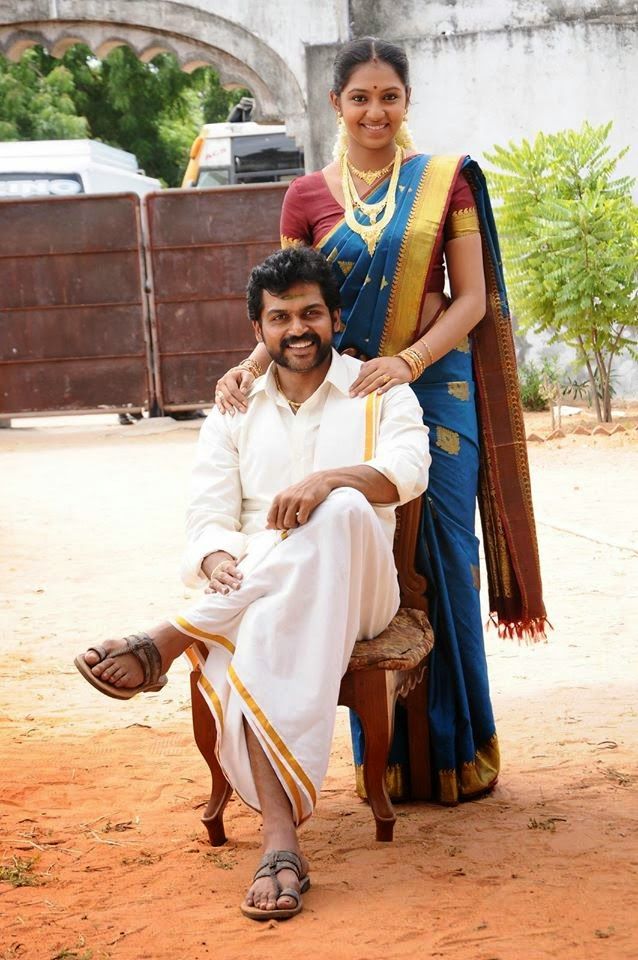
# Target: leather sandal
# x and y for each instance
(269, 866)
(143, 648)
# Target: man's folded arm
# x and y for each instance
(213, 515)
(397, 473)
(373, 484)
(402, 451)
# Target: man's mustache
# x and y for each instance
(291, 341)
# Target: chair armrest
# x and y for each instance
(412, 584)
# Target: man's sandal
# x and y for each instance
(143, 648)
(270, 865)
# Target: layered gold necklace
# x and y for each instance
(383, 208)
(369, 176)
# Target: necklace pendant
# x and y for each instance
(373, 238)
(380, 213)
(369, 176)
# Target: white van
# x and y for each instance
(64, 168)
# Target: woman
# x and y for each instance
(390, 220)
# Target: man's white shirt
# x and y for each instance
(244, 461)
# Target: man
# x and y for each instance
(290, 529)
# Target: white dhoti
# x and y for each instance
(279, 646)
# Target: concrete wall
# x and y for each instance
(486, 73)
(445, 17)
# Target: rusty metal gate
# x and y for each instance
(202, 246)
(73, 313)
(77, 330)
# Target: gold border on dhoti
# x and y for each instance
(413, 264)
(206, 687)
(292, 786)
(197, 634)
(283, 752)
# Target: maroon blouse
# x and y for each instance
(310, 211)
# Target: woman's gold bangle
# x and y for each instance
(415, 360)
(427, 347)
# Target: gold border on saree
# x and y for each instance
(417, 247)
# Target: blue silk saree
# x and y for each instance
(471, 405)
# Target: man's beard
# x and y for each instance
(287, 360)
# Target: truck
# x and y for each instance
(242, 152)
(66, 168)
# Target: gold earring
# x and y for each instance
(403, 137)
(341, 142)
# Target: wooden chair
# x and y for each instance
(381, 670)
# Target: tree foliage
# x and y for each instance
(37, 104)
(569, 230)
(154, 109)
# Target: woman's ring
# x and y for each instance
(386, 378)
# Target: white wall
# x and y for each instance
(287, 26)
(472, 91)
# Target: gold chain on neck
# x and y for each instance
(294, 406)
(369, 176)
(371, 232)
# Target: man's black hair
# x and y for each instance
(285, 268)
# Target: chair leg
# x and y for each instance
(416, 704)
(206, 738)
(373, 700)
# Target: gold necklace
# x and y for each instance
(294, 406)
(371, 232)
(369, 176)
(371, 210)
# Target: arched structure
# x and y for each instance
(196, 37)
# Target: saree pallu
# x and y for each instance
(471, 405)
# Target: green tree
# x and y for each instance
(569, 230)
(154, 109)
(37, 103)
(216, 101)
(143, 108)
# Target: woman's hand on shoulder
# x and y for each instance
(380, 374)
(231, 390)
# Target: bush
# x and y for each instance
(532, 379)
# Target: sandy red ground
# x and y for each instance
(103, 799)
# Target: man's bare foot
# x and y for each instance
(125, 671)
(263, 892)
